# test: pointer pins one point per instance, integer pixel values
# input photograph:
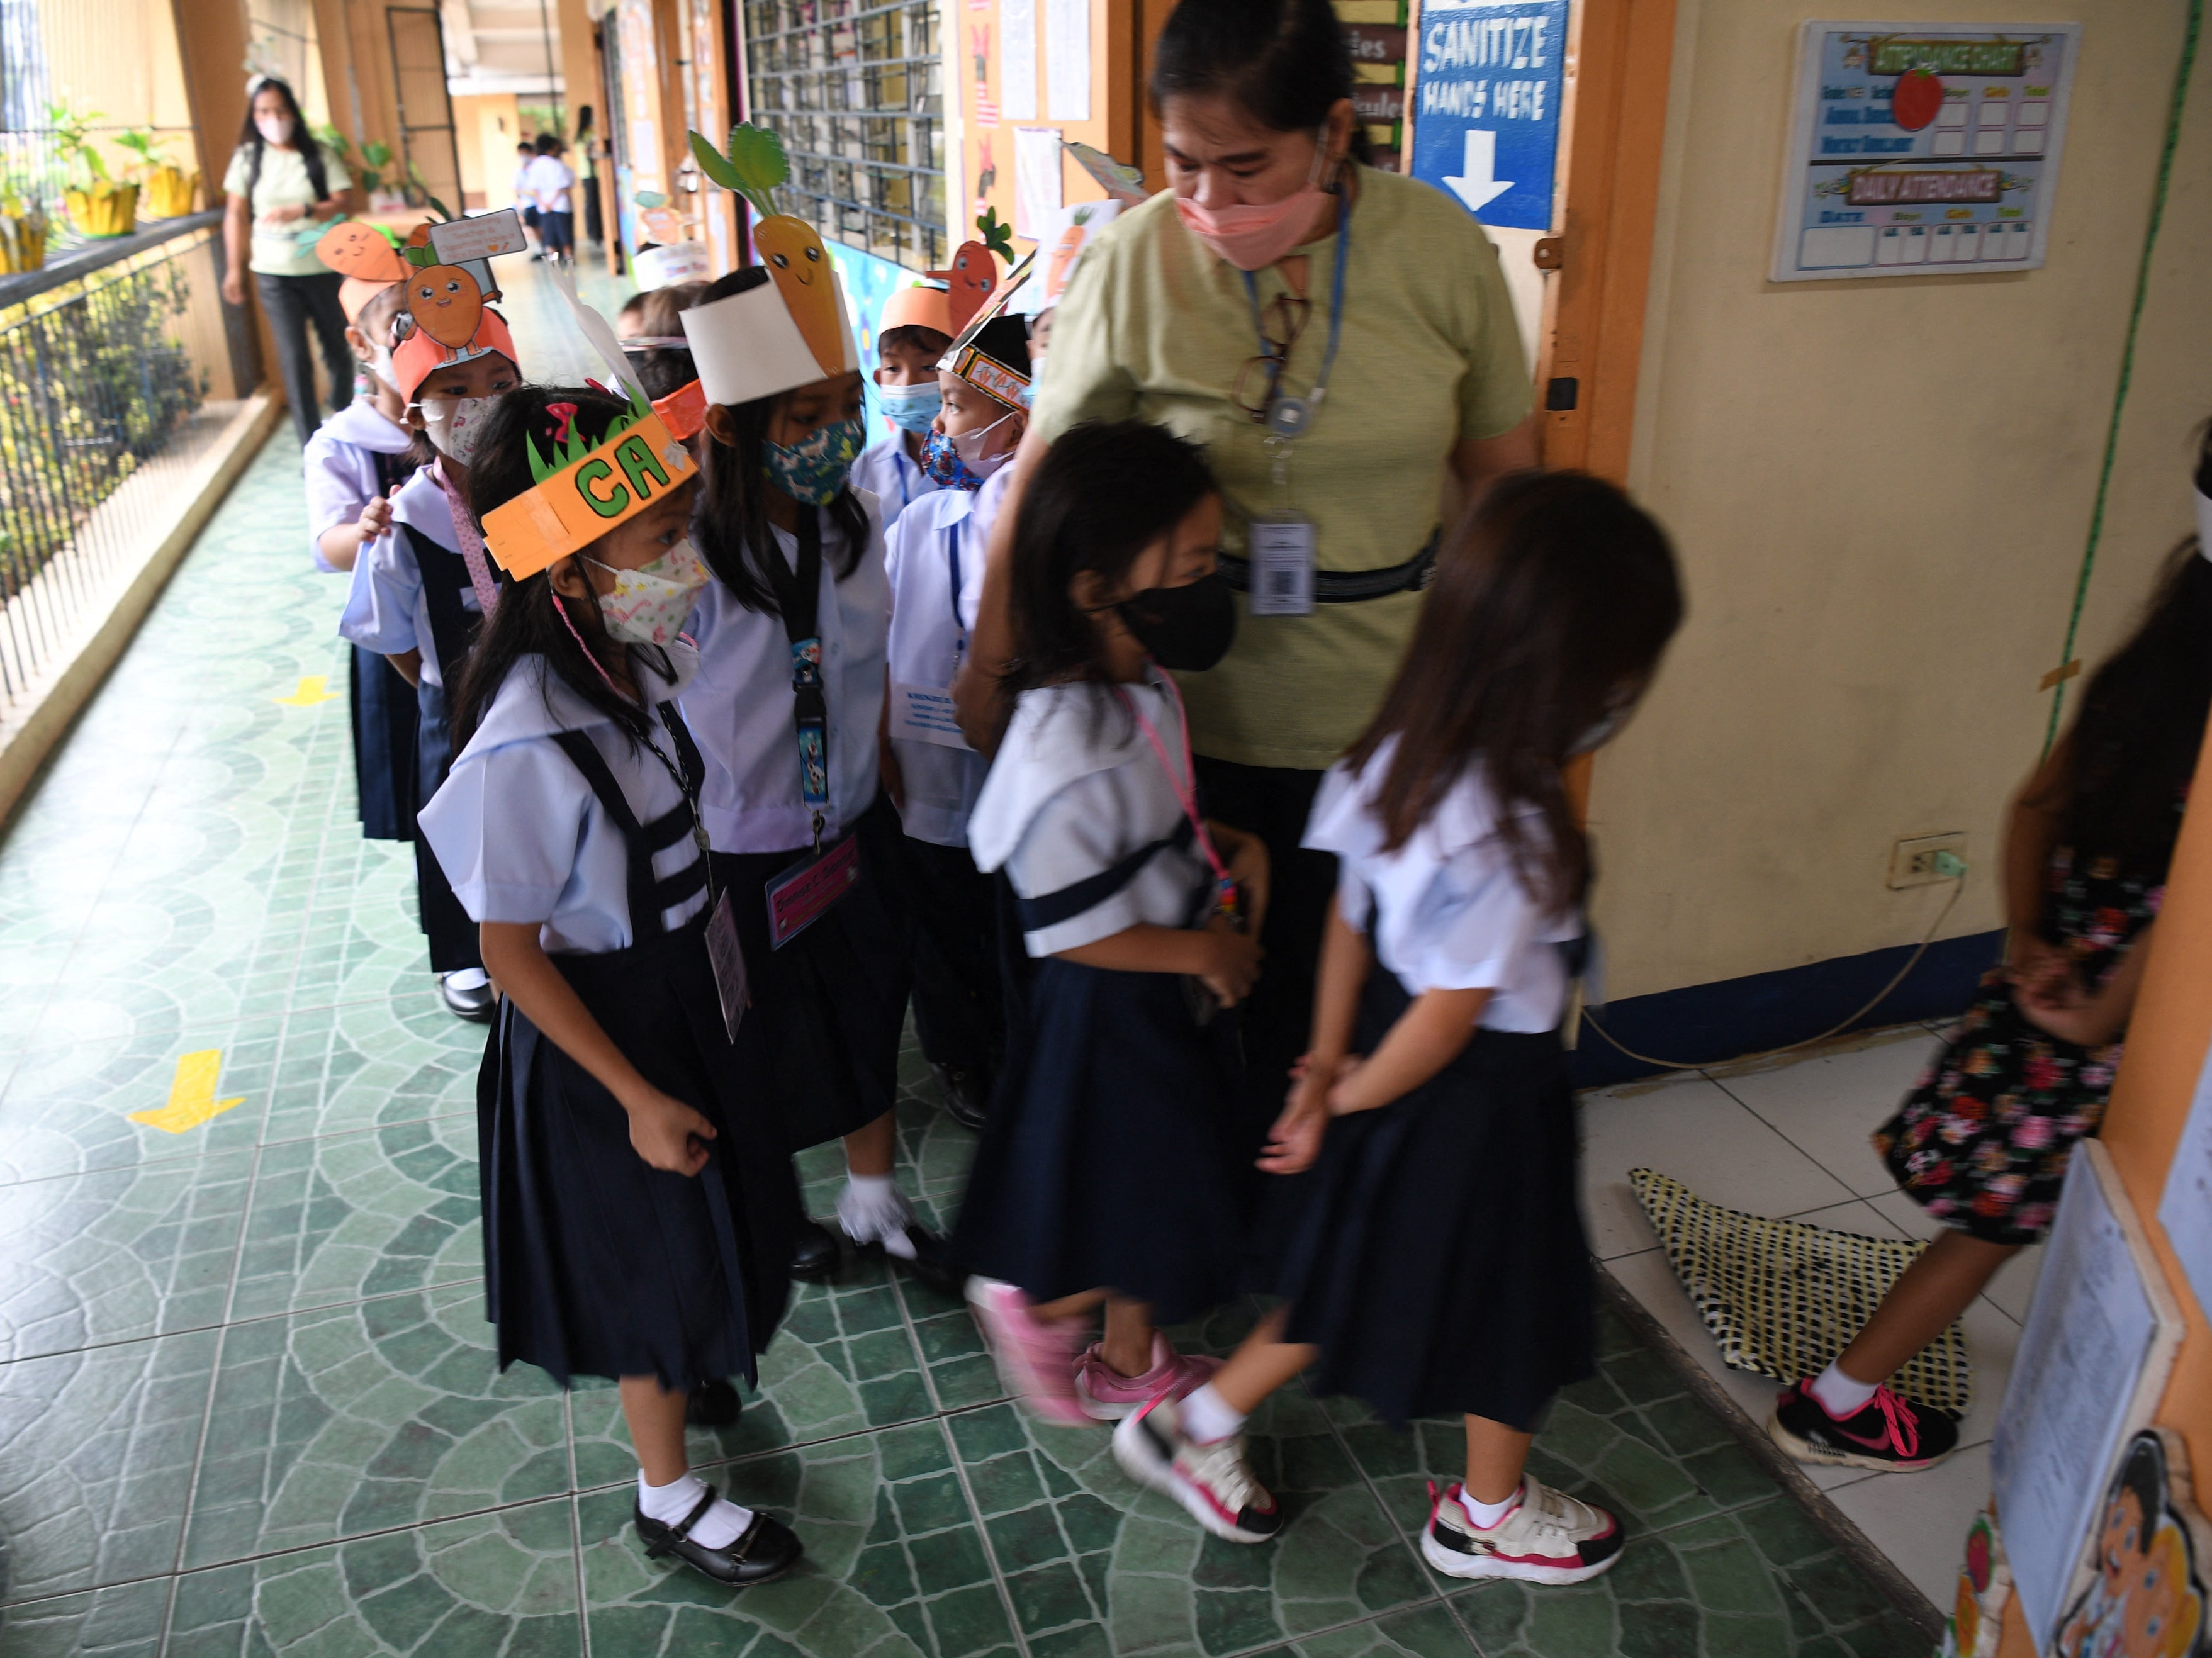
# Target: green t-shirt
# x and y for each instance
(1154, 327)
(289, 249)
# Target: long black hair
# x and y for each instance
(1285, 62)
(527, 621)
(310, 151)
(2134, 746)
(1555, 595)
(1103, 493)
(734, 536)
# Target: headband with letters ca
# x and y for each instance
(585, 489)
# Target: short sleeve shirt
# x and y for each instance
(1155, 326)
(288, 249)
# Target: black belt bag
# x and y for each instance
(1351, 586)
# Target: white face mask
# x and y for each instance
(454, 424)
(648, 605)
(274, 128)
(969, 446)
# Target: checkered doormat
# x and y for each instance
(1782, 1298)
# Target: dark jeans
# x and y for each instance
(295, 305)
(556, 231)
(593, 226)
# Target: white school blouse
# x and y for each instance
(740, 705)
(341, 469)
(521, 835)
(385, 610)
(1076, 787)
(941, 783)
(1445, 911)
(886, 471)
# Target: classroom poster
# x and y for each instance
(1488, 79)
(1923, 149)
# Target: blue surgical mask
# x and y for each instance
(911, 408)
(815, 469)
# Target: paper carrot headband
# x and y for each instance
(366, 256)
(585, 489)
(918, 306)
(422, 353)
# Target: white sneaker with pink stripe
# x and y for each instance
(1547, 1537)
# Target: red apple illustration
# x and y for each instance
(1918, 95)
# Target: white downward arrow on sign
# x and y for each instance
(1480, 185)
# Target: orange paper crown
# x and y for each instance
(585, 489)
(418, 356)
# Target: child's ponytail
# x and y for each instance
(531, 618)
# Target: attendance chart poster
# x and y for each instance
(1923, 149)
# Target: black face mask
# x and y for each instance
(1187, 628)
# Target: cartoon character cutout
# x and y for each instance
(2146, 1600)
(800, 266)
(361, 252)
(446, 304)
(969, 279)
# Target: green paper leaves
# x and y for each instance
(753, 169)
(997, 236)
(421, 258)
(650, 198)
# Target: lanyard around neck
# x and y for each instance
(1185, 785)
(798, 597)
(1300, 411)
(959, 622)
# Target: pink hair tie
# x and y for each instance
(564, 412)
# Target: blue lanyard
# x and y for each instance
(959, 625)
(1308, 404)
(900, 461)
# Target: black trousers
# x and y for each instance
(958, 1011)
(556, 231)
(1273, 802)
(296, 305)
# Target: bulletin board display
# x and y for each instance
(1923, 149)
(1029, 73)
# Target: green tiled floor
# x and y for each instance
(248, 1402)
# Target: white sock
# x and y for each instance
(872, 1210)
(468, 978)
(1487, 1514)
(1206, 1416)
(718, 1527)
(1840, 1395)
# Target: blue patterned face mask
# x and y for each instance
(815, 469)
(959, 463)
(911, 408)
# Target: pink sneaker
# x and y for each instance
(1035, 1359)
(1106, 1396)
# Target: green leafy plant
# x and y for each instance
(72, 130)
(367, 168)
(422, 189)
(998, 235)
(754, 168)
(142, 143)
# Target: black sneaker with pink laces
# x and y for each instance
(1885, 1434)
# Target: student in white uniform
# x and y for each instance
(547, 180)
(418, 595)
(1439, 1263)
(935, 559)
(638, 1199)
(913, 333)
(1107, 1173)
(355, 462)
(789, 706)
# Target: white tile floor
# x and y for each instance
(1789, 1138)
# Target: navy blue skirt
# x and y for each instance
(1109, 1160)
(597, 1263)
(385, 716)
(830, 1005)
(1438, 1260)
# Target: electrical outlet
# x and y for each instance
(1920, 861)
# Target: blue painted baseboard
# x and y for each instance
(1711, 1024)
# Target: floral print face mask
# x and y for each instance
(814, 469)
(648, 605)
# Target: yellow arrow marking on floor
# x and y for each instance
(192, 1095)
(311, 692)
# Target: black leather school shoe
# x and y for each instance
(474, 1003)
(930, 1264)
(966, 1091)
(766, 1551)
(713, 1405)
(815, 1254)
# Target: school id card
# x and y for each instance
(802, 894)
(727, 957)
(923, 713)
(1281, 547)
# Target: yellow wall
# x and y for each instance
(1881, 489)
(487, 126)
(125, 66)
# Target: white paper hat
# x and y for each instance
(750, 346)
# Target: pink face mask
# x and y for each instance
(1254, 238)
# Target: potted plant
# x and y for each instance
(367, 168)
(99, 203)
(22, 235)
(169, 189)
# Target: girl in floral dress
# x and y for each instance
(1982, 1141)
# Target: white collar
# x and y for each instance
(1059, 735)
(536, 702)
(365, 426)
(421, 506)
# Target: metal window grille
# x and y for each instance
(854, 91)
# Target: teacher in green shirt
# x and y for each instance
(1340, 341)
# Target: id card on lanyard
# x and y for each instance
(801, 894)
(725, 955)
(1284, 544)
(924, 714)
